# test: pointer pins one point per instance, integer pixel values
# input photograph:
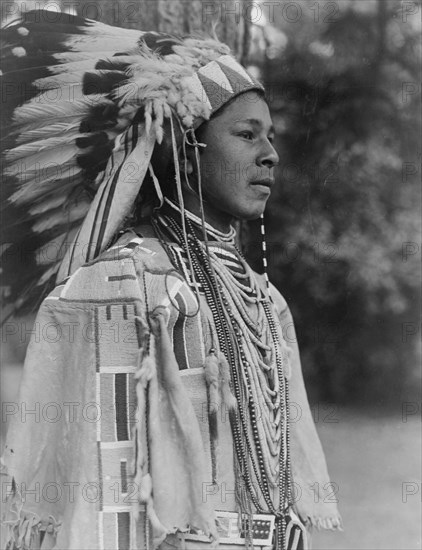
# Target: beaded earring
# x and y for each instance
(264, 256)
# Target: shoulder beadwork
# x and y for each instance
(114, 275)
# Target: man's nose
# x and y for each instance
(269, 157)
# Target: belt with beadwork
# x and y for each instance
(263, 532)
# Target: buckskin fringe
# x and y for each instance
(330, 523)
(24, 533)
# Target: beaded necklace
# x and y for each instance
(215, 233)
(260, 424)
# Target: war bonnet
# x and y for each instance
(100, 98)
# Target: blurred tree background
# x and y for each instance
(343, 81)
(344, 225)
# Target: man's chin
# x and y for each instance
(255, 215)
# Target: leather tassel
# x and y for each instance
(211, 367)
(211, 378)
(288, 363)
(145, 495)
(145, 491)
(139, 459)
(227, 397)
(146, 369)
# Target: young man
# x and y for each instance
(169, 374)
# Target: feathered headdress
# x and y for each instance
(85, 107)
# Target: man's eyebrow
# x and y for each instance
(255, 122)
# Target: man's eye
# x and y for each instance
(271, 139)
(247, 135)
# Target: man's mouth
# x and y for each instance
(267, 182)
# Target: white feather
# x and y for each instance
(102, 43)
(41, 162)
(47, 204)
(66, 79)
(82, 63)
(35, 188)
(74, 57)
(60, 128)
(55, 249)
(31, 148)
(61, 217)
(40, 110)
(47, 274)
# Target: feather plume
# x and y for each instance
(47, 275)
(51, 203)
(72, 67)
(60, 128)
(41, 161)
(53, 250)
(45, 112)
(29, 149)
(60, 217)
(79, 84)
(79, 56)
(57, 183)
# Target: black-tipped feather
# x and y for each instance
(57, 137)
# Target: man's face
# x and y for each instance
(238, 163)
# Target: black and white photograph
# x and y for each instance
(210, 275)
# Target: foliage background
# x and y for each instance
(344, 93)
(343, 225)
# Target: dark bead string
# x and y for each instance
(221, 309)
(147, 413)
